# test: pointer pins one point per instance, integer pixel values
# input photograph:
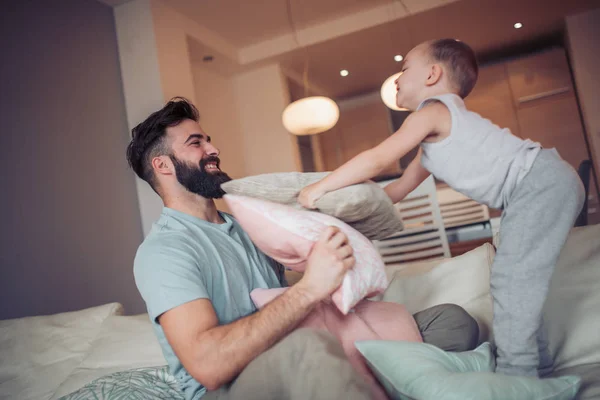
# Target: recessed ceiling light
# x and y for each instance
(398, 58)
(344, 72)
(518, 25)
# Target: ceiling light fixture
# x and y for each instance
(311, 114)
(518, 25)
(388, 90)
(344, 72)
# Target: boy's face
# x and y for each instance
(412, 81)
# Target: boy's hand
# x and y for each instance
(309, 196)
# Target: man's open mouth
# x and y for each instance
(211, 167)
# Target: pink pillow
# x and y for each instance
(371, 320)
(287, 235)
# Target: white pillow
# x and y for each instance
(463, 280)
(38, 353)
(572, 309)
(123, 343)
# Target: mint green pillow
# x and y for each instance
(421, 371)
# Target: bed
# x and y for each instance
(101, 353)
(92, 353)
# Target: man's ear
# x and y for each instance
(435, 74)
(163, 165)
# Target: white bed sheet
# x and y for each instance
(123, 343)
(38, 353)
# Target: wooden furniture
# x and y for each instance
(457, 209)
(424, 236)
(458, 248)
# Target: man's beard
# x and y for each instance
(197, 180)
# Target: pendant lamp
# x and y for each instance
(389, 91)
(311, 114)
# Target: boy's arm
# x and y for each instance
(412, 177)
(372, 162)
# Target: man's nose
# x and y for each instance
(210, 149)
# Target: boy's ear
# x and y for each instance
(435, 75)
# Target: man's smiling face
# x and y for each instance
(196, 161)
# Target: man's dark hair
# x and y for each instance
(149, 137)
(460, 60)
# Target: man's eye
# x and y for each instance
(195, 143)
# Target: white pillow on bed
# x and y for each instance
(38, 353)
(462, 280)
(123, 343)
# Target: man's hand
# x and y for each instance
(309, 195)
(327, 264)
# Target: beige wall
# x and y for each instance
(173, 55)
(583, 34)
(364, 123)
(155, 67)
(141, 80)
(70, 224)
(261, 96)
(215, 99)
(242, 112)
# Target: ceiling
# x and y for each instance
(247, 22)
(486, 25)
(367, 53)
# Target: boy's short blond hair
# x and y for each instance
(460, 61)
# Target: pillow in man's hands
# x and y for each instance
(287, 235)
(364, 206)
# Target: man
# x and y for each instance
(197, 267)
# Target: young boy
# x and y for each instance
(540, 194)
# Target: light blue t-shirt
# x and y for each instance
(185, 258)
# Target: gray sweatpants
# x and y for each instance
(533, 229)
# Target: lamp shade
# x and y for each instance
(388, 93)
(310, 115)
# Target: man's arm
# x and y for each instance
(215, 354)
(412, 177)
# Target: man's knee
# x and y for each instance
(301, 351)
(306, 341)
(449, 327)
(306, 364)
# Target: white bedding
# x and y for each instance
(46, 357)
